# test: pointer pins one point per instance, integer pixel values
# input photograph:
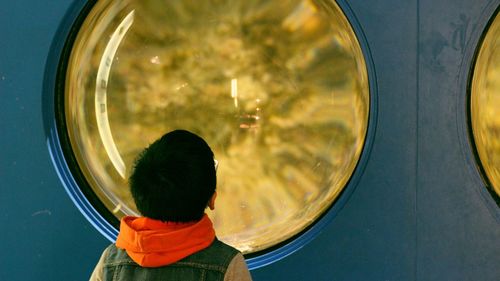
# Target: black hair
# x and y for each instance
(174, 178)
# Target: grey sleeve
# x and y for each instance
(237, 270)
(97, 273)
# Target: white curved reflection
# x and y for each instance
(101, 107)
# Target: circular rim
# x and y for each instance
(464, 117)
(94, 210)
(58, 144)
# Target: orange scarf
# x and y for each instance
(153, 243)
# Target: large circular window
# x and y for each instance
(278, 89)
(485, 105)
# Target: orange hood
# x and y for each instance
(153, 243)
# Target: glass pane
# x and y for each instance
(485, 104)
(278, 89)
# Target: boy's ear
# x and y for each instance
(211, 202)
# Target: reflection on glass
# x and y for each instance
(278, 89)
(485, 104)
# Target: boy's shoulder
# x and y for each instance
(217, 253)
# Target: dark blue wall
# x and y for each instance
(418, 211)
(43, 235)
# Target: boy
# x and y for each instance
(172, 183)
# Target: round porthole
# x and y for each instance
(485, 105)
(278, 89)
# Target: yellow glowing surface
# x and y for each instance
(278, 89)
(485, 104)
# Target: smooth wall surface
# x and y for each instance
(418, 212)
(43, 236)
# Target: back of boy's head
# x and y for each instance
(174, 178)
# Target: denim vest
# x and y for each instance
(208, 264)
